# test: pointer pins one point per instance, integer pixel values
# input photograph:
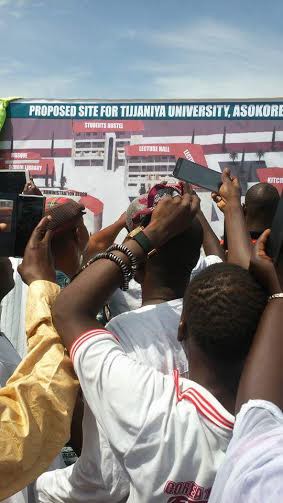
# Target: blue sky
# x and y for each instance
(141, 48)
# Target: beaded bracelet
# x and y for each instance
(127, 272)
(127, 252)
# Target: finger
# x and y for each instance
(40, 230)
(262, 240)
(187, 188)
(3, 227)
(195, 204)
(226, 175)
(186, 200)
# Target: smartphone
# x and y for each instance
(21, 213)
(198, 175)
(275, 240)
(12, 181)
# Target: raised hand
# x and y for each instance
(262, 267)
(172, 216)
(229, 192)
(38, 262)
(30, 189)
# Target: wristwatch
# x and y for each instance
(139, 236)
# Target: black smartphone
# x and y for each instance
(198, 175)
(21, 214)
(275, 240)
(8, 204)
(12, 181)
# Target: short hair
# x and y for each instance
(179, 255)
(222, 308)
(261, 203)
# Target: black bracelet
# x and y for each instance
(126, 271)
(94, 259)
(127, 252)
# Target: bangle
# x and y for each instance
(94, 259)
(275, 296)
(127, 272)
(127, 252)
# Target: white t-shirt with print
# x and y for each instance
(148, 335)
(170, 435)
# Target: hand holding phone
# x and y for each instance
(229, 192)
(198, 175)
(20, 214)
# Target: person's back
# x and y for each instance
(148, 335)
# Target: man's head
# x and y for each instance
(172, 265)
(222, 307)
(70, 233)
(260, 206)
(6, 277)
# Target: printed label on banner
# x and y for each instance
(206, 110)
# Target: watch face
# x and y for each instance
(135, 232)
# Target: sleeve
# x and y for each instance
(252, 469)
(121, 393)
(36, 405)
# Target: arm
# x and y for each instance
(228, 200)
(37, 403)
(262, 377)
(210, 243)
(77, 306)
(104, 238)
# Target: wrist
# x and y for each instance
(156, 235)
(274, 285)
(232, 205)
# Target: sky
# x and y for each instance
(119, 49)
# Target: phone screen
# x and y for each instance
(12, 181)
(30, 210)
(275, 240)
(196, 174)
(8, 217)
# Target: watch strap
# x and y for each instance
(145, 243)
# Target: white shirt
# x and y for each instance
(149, 335)
(121, 302)
(253, 467)
(13, 311)
(170, 437)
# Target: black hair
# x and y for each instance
(222, 308)
(176, 259)
(261, 203)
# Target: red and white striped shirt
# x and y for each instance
(169, 434)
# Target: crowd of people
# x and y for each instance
(158, 361)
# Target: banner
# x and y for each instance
(104, 154)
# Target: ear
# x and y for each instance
(182, 330)
(82, 237)
(244, 209)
